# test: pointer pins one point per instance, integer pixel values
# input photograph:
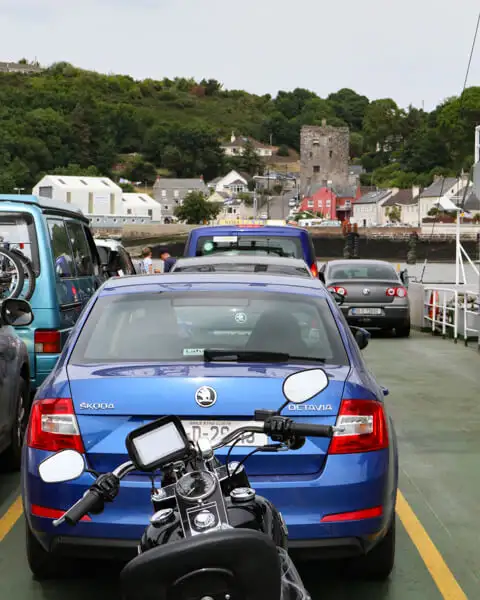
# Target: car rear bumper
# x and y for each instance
(347, 483)
(393, 316)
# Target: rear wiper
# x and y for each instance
(211, 355)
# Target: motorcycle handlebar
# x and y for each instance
(89, 502)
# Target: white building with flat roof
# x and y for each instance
(141, 205)
(92, 195)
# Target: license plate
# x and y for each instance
(366, 311)
(215, 430)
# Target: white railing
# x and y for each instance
(447, 308)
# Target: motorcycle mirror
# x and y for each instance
(304, 385)
(62, 466)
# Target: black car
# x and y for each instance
(14, 381)
(231, 263)
(375, 295)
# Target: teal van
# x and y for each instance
(56, 240)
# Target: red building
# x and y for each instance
(333, 203)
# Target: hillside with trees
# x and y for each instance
(68, 120)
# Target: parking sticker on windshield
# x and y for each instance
(193, 351)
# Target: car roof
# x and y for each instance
(45, 203)
(358, 261)
(270, 229)
(180, 281)
(218, 259)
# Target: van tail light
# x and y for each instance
(314, 270)
(339, 290)
(365, 427)
(47, 341)
(53, 426)
(399, 292)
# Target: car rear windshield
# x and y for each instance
(362, 271)
(17, 231)
(249, 244)
(179, 326)
(245, 268)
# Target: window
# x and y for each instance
(363, 271)
(62, 182)
(246, 268)
(105, 183)
(84, 182)
(150, 212)
(129, 211)
(69, 197)
(316, 168)
(316, 142)
(62, 252)
(330, 154)
(310, 203)
(179, 326)
(164, 193)
(175, 193)
(81, 252)
(17, 231)
(245, 244)
(46, 191)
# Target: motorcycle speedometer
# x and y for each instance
(196, 485)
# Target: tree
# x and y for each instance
(350, 107)
(197, 209)
(283, 150)
(382, 124)
(394, 213)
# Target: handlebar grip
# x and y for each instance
(311, 429)
(86, 504)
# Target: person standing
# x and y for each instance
(147, 263)
(168, 261)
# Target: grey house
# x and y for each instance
(170, 193)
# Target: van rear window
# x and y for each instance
(250, 245)
(17, 231)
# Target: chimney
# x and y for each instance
(324, 122)
(232, 137)
(415, 191)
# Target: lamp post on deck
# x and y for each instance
(19, 190)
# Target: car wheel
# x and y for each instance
(379, 562)
(42, 564)
(403, 331)
(13, 454)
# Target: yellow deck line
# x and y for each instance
(10, 517)
(436, 565)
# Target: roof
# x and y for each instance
(190, 281)
(345, 191)
(220, 259)
(439, 187)
(82, 183)
(169, 183)
(403, 197)
(44, 204)
(132, 199)
(373, 197)
(268, 229)
(358, 261)
(471, 200)
(240, 141)
(356, 169)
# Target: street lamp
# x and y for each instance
(19, 190)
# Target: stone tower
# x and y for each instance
(324, 155)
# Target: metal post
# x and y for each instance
(457, 250)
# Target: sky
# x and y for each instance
(414, 51)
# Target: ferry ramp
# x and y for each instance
(434, 398)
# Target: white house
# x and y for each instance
(92, 195)
(236, 146)
(232, 182)
(442, 187)
(368, 210)
(141, 205)
(407, 203)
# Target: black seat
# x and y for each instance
(241, 563)
(277, 331)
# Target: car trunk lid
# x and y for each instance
(366, 290)
(112, 400)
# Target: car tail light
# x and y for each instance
(339, 290)
(51, 513)
(400, 292)
(53, 426)
(355, 515)
(365, 427)
(314, 270)
(47, 342)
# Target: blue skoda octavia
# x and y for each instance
(137, 352)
